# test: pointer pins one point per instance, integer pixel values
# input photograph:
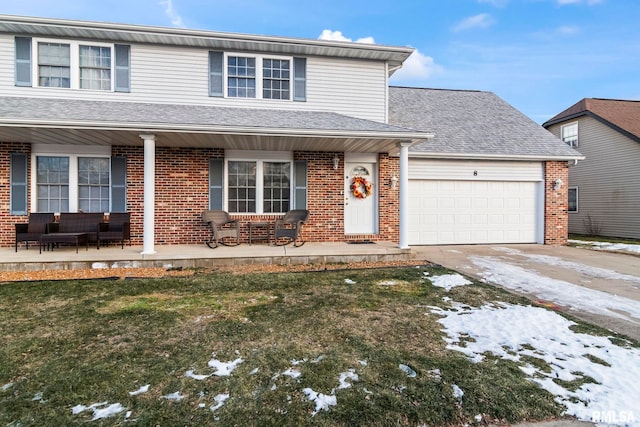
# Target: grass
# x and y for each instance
(83, 342)
(604, 239)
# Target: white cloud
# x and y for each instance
(337, 36)
(176, 19)
(483, 20)
(418, 66)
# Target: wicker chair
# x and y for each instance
(222, 227)
(31, 231)
(117, 229)
(289, 228)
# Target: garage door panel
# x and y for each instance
(468, 212)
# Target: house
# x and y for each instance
(165, 123)
(604, 189)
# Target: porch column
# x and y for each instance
(148, 235)
(404, 194)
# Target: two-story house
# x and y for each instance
(165, 123)
(604, 189)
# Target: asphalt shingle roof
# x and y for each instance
(622, 114)
(472, 123)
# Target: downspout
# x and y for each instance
(148, 236)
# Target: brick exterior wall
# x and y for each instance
(556, 216)
(182, 181)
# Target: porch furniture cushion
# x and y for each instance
(289, 228)
(31, 231)
(223, 228)
(50, 240)
(116, 229)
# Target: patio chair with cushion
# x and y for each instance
(224, 230)
(116, 230)
(31, 231)
(289, 228)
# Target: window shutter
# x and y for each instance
(300, 184)
(123, 68)
(18, 184)
(216, 86)
(216, 180)
(118, 184)
(299, 79)
(23, 61)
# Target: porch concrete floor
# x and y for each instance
(196, 256)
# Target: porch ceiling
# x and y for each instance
(79, 122)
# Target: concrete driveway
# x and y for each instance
(600, 287)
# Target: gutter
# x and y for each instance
(475, 156)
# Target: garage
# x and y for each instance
(475, 202)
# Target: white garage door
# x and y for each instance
(473, 210)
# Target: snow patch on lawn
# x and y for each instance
(143, 389)
(322, 401)
(608, 246)
(100, 410)
(224, 369)
(560, 292)
(513, 331)
(449, 281)
(344, 376)
(219, 399)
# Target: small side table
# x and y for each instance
(264, 231)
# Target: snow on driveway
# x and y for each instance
(500, 271)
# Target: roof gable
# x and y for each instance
(622, 115)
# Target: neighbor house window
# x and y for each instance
(95, 67)
(573, 199)
(570, 134)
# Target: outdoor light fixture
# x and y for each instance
(394, 182)
(557, 184)
(336, 162)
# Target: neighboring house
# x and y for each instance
(165, 123)
(604, 189)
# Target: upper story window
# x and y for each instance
(257, 76)
(72, 64)
(570, 134)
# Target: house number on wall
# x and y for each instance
(475, 173)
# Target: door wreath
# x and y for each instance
(360, 187)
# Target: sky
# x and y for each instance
(541, 56)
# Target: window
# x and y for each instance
(72, 64)
(275, 78)
(93, 184)
(573, 199)
(241, 77)
(52, 184)
(95, 67)
(570, 134)
(259, 77)
(54, 65)
(271, 186)
(89, 182)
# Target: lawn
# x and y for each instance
(359, 347)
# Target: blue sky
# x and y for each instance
(541, 56)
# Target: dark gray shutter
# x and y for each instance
(23, 61)
(300, 184)
(123, 68)
(216, 83)
(299, 79)
(118, 184)
(18, 184)
(216, 180)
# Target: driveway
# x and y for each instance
(599, 287)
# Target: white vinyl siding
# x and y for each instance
(475, 202)
(179, 75)
(608, 180)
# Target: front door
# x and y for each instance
(360, 198)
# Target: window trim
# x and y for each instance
(259, 75)
(260, 157)
(74, 64)
(577, 200)
(572, 144)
